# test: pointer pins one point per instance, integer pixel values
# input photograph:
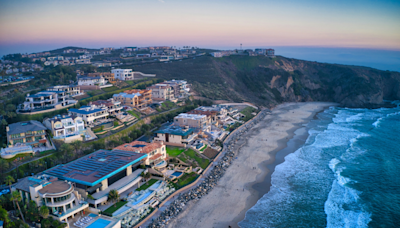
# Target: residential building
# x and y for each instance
(161, 92)
(46, 100)
(134, 98)
(98, 81)
(211, 115)
(165, 58)
(179, 86)
(65, 127)
(112, 106)
(68, 90)
(82, 61)
(27, 133)
(270, 52)
(175, 135)
(123, 74)
(109, 77)
(191, 120)
(260, 51)
(101, 171)
(90, 114)
(60, 197)
(143, 56)
(156, 152)
(102, 64)
(217, 54)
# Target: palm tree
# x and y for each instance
(44, 211)
(16, 197)
(9, 180)
(4, 215)
(113, 196)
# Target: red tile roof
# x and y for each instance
(155, 157)
(135, 147)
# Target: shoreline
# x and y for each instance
(227, 204)
(297, 136)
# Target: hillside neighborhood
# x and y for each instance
(116, 142)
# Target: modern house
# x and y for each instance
(191, 120)
(91, 115)
(112, 106)
(175, 135)
(156, 152)
(123, 74)
(46, 100)
(179, 86)
(109, 77)
(134, 98)
(62, 199)
(66, 128)
(161, 92)
(96, 81)
(270, 53)
(25, 137)
(101, 171)
(66, 90)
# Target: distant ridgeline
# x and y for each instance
(268, 81)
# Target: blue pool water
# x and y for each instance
(99, 223)
(177, 174)
(92, 215)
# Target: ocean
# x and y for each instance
(347, 174)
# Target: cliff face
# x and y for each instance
(267, 82)
(282, 79)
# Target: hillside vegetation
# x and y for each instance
(270, 81)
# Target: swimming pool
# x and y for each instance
(99, 223)
(92, 215)
(177, 174)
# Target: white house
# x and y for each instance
(65, 127)
(91, 81)
(90, 114)
(123, 74)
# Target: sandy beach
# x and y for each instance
(248, 178)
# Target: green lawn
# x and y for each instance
(247, 111)
(173, 151)
(202, 161)
(113, 208)
(134, 113)
(147, 185)
(186, 179)
(205, 147)
(109, 89)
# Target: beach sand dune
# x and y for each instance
(245, 180)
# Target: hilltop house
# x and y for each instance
(90, 114)
(175, 135)
(109, 77)
(192, 120)
(134, 98)
(123, 74)
(65, 127)
(47, 100)
(112, 106)
(98, 81)
(161, 92)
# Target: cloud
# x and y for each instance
(162, 1)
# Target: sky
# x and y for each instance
(31, 26)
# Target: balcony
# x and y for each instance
(61, 203)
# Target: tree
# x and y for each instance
(16, 197)
(4, 215)
(9, 180)
(77, 146)
(44, 211)
(46, 223)
(113, 196)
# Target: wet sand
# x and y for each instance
(249, 177)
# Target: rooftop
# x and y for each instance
(191, 116)
(139, 147)
(175, 130)
(127, 95)
(25, 126)
(56, 187)
(96, 167)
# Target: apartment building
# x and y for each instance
(156, 152)
(161, 92)
(82, 61)
(109, 77)
(123, 74)
(191, 120)
(97, 81)
(270, 53)
(134, 98)
(112, 106)
(66, 128)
